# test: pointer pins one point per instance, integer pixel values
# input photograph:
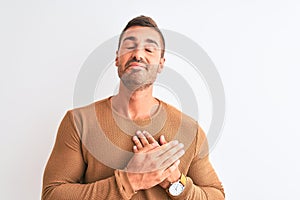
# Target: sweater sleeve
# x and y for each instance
(65, 170)
(202, 180)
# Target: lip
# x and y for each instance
(136, 65)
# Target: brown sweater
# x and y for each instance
(94, 144)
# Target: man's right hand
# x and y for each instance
(153, 165)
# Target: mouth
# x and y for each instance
(136, 65)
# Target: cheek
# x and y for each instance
(119, 61)
(124, 57)
(155, 59)
(124, 52)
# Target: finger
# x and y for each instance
(139, 148)
(175, 175)
(149, 137)
(172, 159)
(148, 148)
(169, 156)
(156, 153)
(135, 149)
(170, 169)
(162, 140)
(142, 138)
(170, 148)
(177, 163)
(137, 143)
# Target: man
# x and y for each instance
(131, 145)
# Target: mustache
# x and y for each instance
(135, 60)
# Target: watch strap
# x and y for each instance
(183, 179)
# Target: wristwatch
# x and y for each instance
(177, 187)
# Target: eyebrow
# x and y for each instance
(132, 38)
(152, 41)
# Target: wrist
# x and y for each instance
(135, 184)
(124, 184)
(178, 176)
(171, 179)
(176, 188)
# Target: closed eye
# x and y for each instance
(130, 47)
(149, 50)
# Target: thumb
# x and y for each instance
(162, 140)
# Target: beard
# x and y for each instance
(138, 79)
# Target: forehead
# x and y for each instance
(142, 33)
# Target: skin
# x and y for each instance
(139, 57)
(144, 142)
(139, 61)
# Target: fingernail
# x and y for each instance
(182, 152)
(155, 144)
(177, 163)
(175, 142)
(138, 132)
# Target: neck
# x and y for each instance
(139, 104)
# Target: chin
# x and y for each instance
(136, 86)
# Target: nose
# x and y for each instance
(138, 54)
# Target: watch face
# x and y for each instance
(176, 189)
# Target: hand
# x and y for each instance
(144, 143)
(175, 176)
(154, 163)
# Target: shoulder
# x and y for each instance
(86, 110)
(84, 115)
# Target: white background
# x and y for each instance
(254, 44)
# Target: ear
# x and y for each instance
(161, 64)
(117, 59)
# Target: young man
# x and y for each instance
(131, 145)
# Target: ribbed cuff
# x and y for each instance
(124, 185)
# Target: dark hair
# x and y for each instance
(145, 22)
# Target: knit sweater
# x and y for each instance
(94, 143)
